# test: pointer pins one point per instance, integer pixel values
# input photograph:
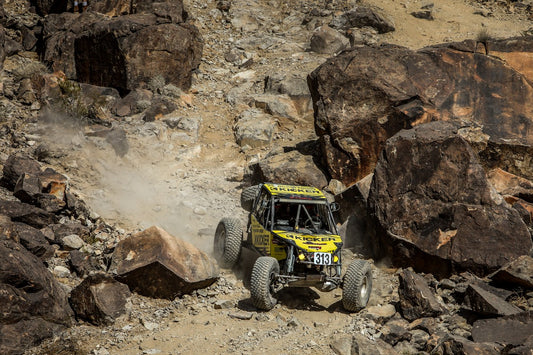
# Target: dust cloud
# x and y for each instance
(153, 184)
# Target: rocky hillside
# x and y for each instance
(415, 116)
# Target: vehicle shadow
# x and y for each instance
(297, 298)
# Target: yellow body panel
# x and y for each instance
(324, 243)
(304, 191)
(262, 240)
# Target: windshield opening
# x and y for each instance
(308, 217)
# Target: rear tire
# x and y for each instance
(264, 272)
(228, 241)
(357, 286)
(248, 196)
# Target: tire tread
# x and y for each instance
(351, 295)
(260, 282)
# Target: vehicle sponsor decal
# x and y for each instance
(260, 237)
(277, 189)
(309, 238)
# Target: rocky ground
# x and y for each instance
(186, 179)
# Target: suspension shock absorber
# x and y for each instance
(290, 259)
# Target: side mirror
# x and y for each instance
(334, 206)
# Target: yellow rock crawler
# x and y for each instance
(293, 229)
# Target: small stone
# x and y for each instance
(241, 315)
(380, 313)
(61, 271)
(200, 211)
(149, 325)
(223, 304)
(294, 323)
(151, 351)
(72, 242)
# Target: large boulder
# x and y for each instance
(254, 128)
(417, 300)
(517, 273)
(435, 208)
(486, 303)
(156, 264)
(25, 213)
(17, 165)
(45, 7)
(365, 95)
(99, 299)
(289, 168)
(361, 16)
(124, 52)
(32, 239)
(513, 330)
(34, 305)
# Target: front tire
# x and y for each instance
(228, 241)
(357, 286)
(264, 273)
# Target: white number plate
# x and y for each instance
(323, 259)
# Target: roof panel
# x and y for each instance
(294, 190)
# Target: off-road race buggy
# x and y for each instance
(293, 229)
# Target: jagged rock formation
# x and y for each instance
(127, 51)
(436, 209)
(365, 95)
(34, 305)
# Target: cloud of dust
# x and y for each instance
(141, 189)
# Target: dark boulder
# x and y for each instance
(292, 168)
(53, 183)
(34, 305)
(115, 55)
(27, 187)
(510, 330)
(45, 7)
(82, 263)
(59, 34)
(99, 299)
(326, 40)
(417, 300)
(456, 345)
(93, 49)
(517, 273)
(365, 95)
(118, 140)
(15, 166)
(436, 210)
(360, 17)
(69, 228)
(156, 264)
(357, 230)
(486, 303)
(33, 240)
(28, 214)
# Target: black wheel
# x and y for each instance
(248, 196)
(265, 270)
(357, 285)
(228, 240)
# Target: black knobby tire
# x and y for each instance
(228, 241)
(248, 196)
(357, 285)
(264, 272)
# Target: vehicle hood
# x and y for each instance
(325, 243)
